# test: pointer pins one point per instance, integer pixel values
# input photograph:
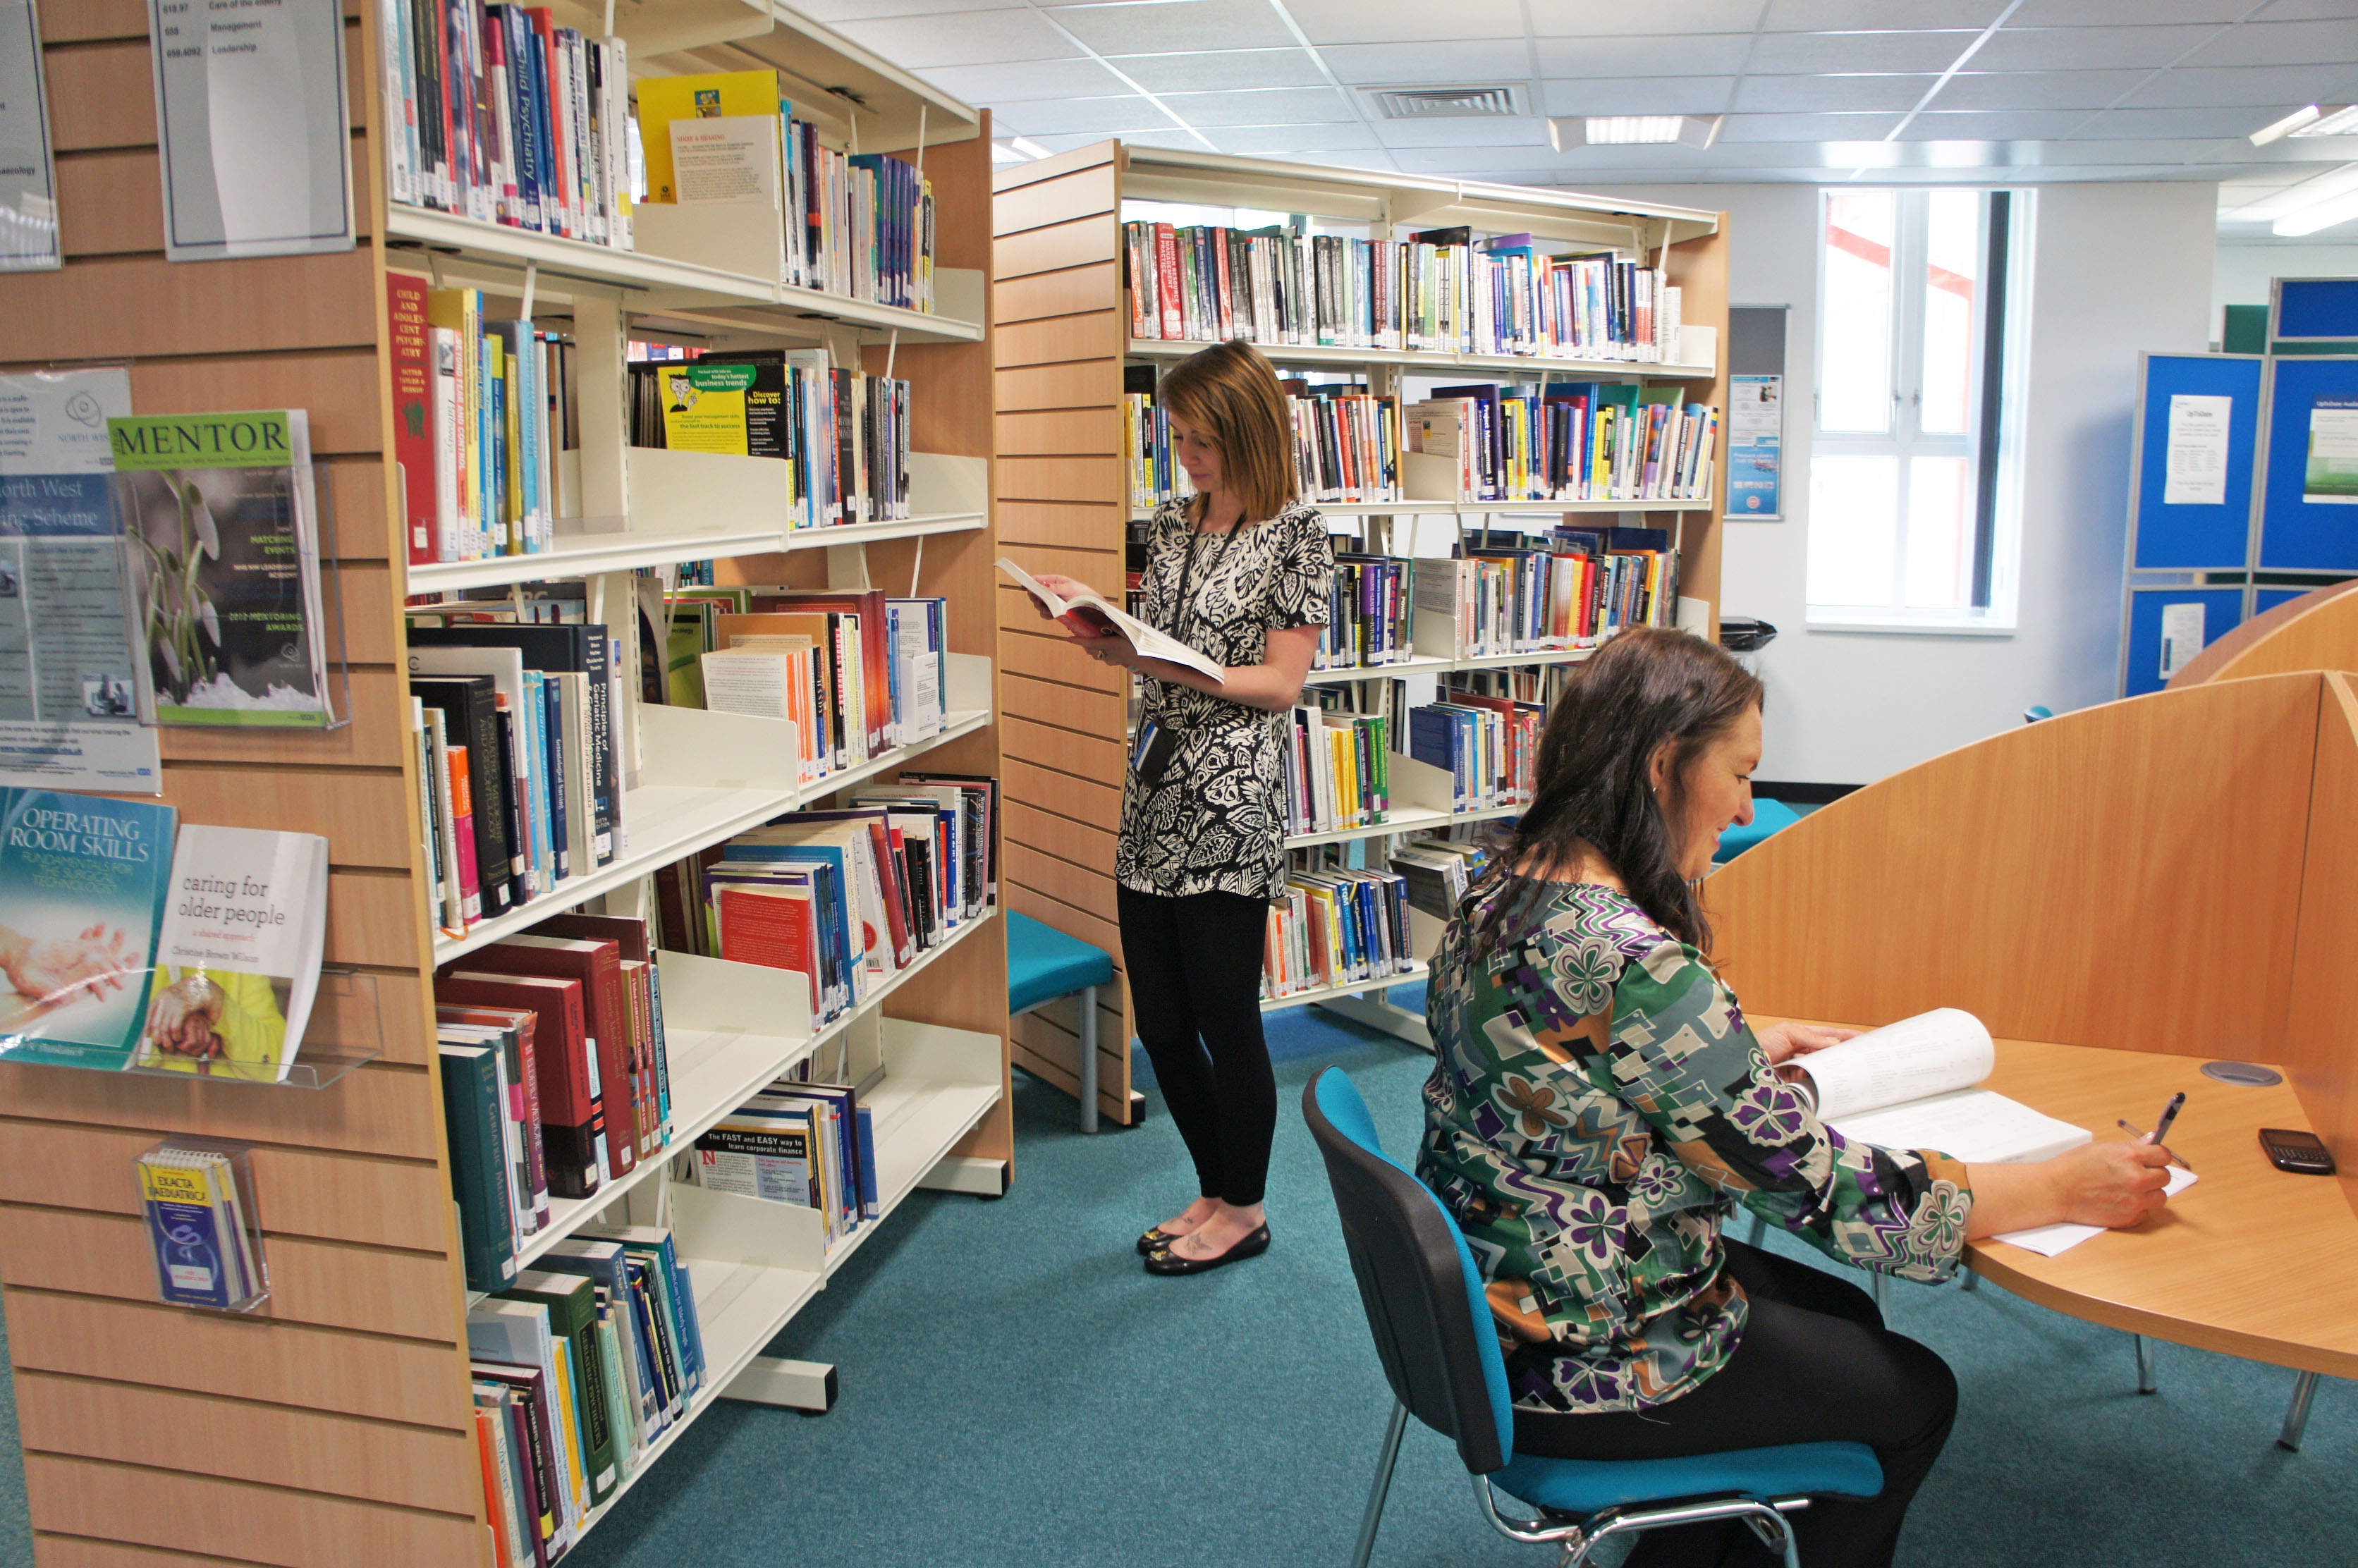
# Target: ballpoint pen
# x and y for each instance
(2161, 1128)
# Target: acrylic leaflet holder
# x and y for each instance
(203, 1223)
(345, 1030)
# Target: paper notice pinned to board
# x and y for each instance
(2331, 477)
(2181, 636)
(2195, 470)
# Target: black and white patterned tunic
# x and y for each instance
(1216, 823)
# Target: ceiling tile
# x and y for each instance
(1806, 128)
(1693, 54)
(2182, 123)
(1173, 24)
(1266, 106)
(1508, 165)
(2035, 89)
(1095, 116)
(1522, 132)
(2309, 10)
(2282, 43)
(2128, 13)
(2288, 86)
(1564, 20)
(1483, 61)
(1221, 69)
(1829, 15)
(1327, 22)
(1024, 80)
(969, 38)
(1639, 95)
(835, 13)
(2087, 49)
(1790, 94)
(1818, 54)
(1992, 126)
(1289, 141)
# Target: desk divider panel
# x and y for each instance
(2319, 1052)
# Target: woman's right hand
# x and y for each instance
(2110, 1183)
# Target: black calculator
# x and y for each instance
(2303, 1153)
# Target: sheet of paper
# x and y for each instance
(2194, 469)
(69, 665)
(728, 158)
(2181, 636)
(28, 183)
(1978, 1126)
(1930, 1054)
(255, 127)
(2046, 1240)
(1756, 428)
(2332, 475)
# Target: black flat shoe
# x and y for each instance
(1163, 1260)
(1154, 1240)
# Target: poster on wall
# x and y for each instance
(2195, 466)
(255, 127)
(1756, 430)
(28, 179)
(2181, 637)
(2332, 475)
(70, 691)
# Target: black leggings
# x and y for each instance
(1815, 1365)
(1194, 964)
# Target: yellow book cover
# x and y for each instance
(663, 99)
(576, 1475)
(461, 311)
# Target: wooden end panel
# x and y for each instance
(367, 818)
(2319, 630)
(2073, 881)
(1073, 886)
(377, 1109)
(1066, 794)
(1054, 657)
(1091, 287)
(1063, 432)
(378, 736)
(1063, 524)
(2319, 1051)
(1045, 702)
(1084, 193)
(1079, 384)
(1060, 340)
(117, 306)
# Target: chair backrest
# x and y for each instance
(1417, 1279)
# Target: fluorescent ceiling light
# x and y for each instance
(2311, 120)
(1628, 130)
(2284, 128)
(2316, 215)
(1016, 149)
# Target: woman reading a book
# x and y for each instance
(1598, 1110)
(1241, 573)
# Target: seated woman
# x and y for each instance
(1598, 1110)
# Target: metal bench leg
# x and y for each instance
(1384, 1464)
(1088, 1059)
(1973, 1281)
(1760, 1231)
(2297, 1415)
(1882, 1283)
(2145, 1384)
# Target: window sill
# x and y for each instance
(1885, 623)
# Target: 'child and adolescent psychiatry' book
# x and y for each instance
(83, 882)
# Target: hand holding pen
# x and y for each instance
(2161, 1128)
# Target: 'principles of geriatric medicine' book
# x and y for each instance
(82, 888)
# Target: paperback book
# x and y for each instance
(238, 965)
(84, 883)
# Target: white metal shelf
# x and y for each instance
(1437, 360)
(1428, 507)
(1417, 970)
(1410, 819)
(1425, 666)
(916, 1121)
(586, 555)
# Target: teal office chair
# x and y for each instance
(1043, 964)
(1432, 1326)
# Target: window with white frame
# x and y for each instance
(1912, 522)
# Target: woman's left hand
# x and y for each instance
(1780, 1042)
(1111, 649)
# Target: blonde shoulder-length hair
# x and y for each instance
(1229, 394)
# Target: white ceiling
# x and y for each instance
(1813, 89)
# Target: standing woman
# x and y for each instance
(1241, 572)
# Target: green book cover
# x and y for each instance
(83, 882)
(479, 1170)
(222, 516)
(572, 1304)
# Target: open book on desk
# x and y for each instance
(1912, 1085)
(1091, 608)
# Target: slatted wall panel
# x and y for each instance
(1062, 494)
(1699, 268)
(333, 1425)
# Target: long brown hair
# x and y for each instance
(1229, 394)
(1647, 688)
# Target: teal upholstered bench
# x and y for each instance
(1043, 964)
(1768, 817)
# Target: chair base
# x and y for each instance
(1579, 1538)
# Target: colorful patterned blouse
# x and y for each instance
(1598, 1110)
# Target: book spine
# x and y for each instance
(477, 1168)
(462, 833)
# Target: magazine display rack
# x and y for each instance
(1061, 316)
(338, 1420)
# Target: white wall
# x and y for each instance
(2242, 270)
(2117, 268)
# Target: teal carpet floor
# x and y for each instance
(1017, 1393)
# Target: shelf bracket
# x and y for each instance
(1375, 1010)
(806, 1386)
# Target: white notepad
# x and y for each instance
(1912, 1085)
(2050, 1240)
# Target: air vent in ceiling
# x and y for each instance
(1447, 102)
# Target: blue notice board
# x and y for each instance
(2203, 533)
(2309, 508)
(2267, 599)
(2149, 609)
(2315, 307)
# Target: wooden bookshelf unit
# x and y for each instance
(1060, 321)
(335, 1425)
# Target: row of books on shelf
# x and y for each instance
(1574, 441)
(810, 1145)
(1337, 776)
(847, 898)
(578, 1368)
(1345, 442)
(1337, 773)
(498, 114)
(1334, 927)
(857, 672)
(1517, 593)
(841, 433)
(484, 415)
(1439, 291)
(1487, 745)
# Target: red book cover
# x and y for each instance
(1226, 302)
(875, 657)
(412, 404)
(599, 966)
(769, 929)
(1166, 260)
(524, 1092)
(463, 817)
(637, 944)
(573, 1121)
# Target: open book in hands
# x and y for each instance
(1911, 1085)
(1089, 611)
